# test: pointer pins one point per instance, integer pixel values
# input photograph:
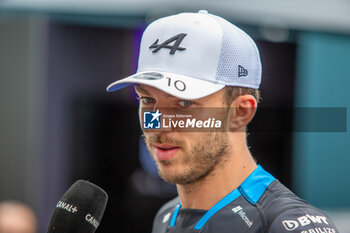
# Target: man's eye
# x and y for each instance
(185, 103)
(146, 100)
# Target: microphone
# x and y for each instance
(80, 209)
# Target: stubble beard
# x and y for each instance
(204, 157)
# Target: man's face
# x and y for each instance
(184, 157)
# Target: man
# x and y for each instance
(199, 63)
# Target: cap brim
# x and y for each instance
(180, 86)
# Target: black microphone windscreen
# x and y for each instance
(80, 209)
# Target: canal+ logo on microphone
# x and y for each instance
(151, 120)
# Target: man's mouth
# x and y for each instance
(165, 151)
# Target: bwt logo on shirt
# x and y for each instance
(151, 120)
(304, 221)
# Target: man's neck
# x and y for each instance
(226, 177)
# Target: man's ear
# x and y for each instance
(242, 111)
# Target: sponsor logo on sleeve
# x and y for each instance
(304, 221)
(290, 224)
(239, 210)
(166, 217)
(320, 230)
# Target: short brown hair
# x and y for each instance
(232, 93)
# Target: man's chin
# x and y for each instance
(171, 179)
(174, 176)
(169, 173)
(165, 163)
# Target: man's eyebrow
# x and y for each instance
(141, 90)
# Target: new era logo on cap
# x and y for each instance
(203, 51)
(242, 72)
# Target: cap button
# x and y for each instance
(203, 12)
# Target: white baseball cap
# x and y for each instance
(192, 55)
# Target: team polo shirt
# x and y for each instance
(260, 204)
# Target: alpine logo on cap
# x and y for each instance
(242, 72)
(178, 38)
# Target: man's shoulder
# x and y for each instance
(286, 212)
(164, 214)
(168, 206)
(278, 198)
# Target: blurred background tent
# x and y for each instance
(57, 123)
